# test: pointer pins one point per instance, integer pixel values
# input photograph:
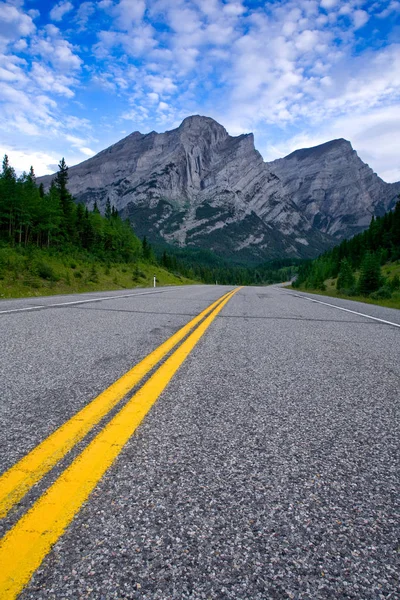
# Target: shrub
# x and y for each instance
(382, 294)
(78, 275)
(31, 282)
(45, 271)
(395, 283)
(12, 261)
(138, 274)
(93, 276)
(349, 292)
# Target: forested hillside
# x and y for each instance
(53, 220)
(50, 244)
(368, 265)
(203, 265)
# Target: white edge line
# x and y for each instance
(41, 307)
(346, 310)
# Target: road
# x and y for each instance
(266, 469)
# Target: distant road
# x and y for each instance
(194, 443)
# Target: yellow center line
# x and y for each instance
(20, 478)
(27, 543)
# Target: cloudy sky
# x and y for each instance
(76, 76)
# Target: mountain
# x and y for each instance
(334, 188)
(198, 186)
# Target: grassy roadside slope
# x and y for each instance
(389, 270)
(37, 272)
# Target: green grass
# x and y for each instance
(40, 273)
(389, 270)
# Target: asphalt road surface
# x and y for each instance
(268, 467)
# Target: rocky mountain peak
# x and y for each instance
(198, 186)
(200, 130)
(200, 122)
(340, 145)
(333, 187)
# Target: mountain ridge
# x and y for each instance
(197, 186)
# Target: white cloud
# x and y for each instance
(22, 160)
(20, 45)
(129, 13)
(79, 144)
(87, 151)
(34, 13)
(50, 81)
(14, 24)
(160, 84)
(360, 18)
(85, 11)
(307, 40)
(138, 42)
(12, 70)
(328, 4)
(234, 9)
(58, 51)
(393, 7)
(59, 10)
(20, 113)
(105, 4)
(138, 115)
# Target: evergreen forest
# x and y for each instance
(29, 216)
(367, 265)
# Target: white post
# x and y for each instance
(154, 281)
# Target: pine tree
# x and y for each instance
(370, 275)
(346, 279)
(52, 215)
(61, 180)
(67, 205)
(8, 198)
(146, 249)
(108, 212)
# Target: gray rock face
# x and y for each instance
(198, 186)
(334, 188)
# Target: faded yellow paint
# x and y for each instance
(19, 479)
(27, 543)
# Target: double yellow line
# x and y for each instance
(24, 547)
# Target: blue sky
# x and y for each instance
(76, 77)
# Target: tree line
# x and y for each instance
(204, 265)
(357, 262)
(31, 216)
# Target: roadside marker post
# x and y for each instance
(154, 281)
